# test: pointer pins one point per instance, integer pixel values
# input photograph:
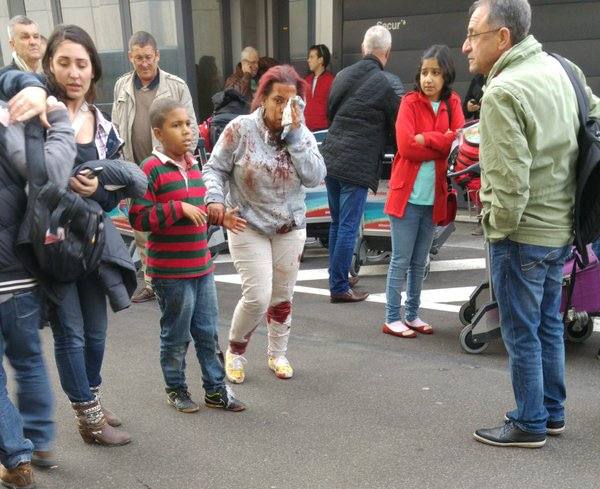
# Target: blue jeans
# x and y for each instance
(346, 206)
(411, 241)
(190, 310)
(527, 281)
(79, 330)
(19, 339)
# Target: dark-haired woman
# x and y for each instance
(416, 201)
(266, 174)
(319, 82)
(72, 67)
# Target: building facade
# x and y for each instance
(201, 40)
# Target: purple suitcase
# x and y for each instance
(586, 294)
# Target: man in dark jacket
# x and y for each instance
(362, 109)
(31, 428)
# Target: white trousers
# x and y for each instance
(268, 267)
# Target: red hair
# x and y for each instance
(285, 74)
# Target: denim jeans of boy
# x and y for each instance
(190, 310)
(411, 241)
(79, 330)
(19, 340)
(527, 281)
(346, 207)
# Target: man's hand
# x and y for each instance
(28, 103)
(83, 185)
(194, 214)
(420, 139)
(216, 213)
(232, 222)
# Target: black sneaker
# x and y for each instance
(224, 399)
(180, 399)
(508, 435)
(553, 428)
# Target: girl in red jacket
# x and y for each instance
(416, 201)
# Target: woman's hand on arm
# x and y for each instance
(28, 103)
(83, 185)
(232, 222)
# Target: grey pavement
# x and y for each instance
(364, 409)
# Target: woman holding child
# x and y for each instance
(266, 170)
(72, 67)
(426, 125)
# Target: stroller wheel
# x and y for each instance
(579, 330)
(467, 313)
(468, 344)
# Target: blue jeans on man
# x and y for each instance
(346, 206)
(33, 428)
(189, 311)
(79, 330)
(411, 241)
(527, 281)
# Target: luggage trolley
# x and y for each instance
(481, 322)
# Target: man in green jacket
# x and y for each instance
(529, 126)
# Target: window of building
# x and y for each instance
(101, 19)
(40, 11)
(208, 53)
(158, 17)
(5, 53)
(298, 25)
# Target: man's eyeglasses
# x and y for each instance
(476, 34)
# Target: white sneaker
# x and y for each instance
(234, 367)
(281, 366)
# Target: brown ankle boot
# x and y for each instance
(111, 418)
(19, 477)
(93, 427)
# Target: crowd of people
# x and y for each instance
(253, 185)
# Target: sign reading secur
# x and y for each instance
(394, 25)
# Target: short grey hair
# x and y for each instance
(141, 39)
(15, 21)
(512, 14)
(377, 38)
(248, 50)
(159, 109)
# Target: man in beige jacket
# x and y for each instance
(134, 94)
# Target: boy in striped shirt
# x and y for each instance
(179, 262)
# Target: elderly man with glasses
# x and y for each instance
(529, 125)
(245, 78)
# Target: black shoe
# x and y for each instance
(508, 435)
(224, 399)
(180, 399)
(553, 428)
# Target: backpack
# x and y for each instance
(587, 197)
(228, 105)
(62, 235)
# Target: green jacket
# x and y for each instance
(528, 129)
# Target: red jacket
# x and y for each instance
(315, 112)
(416, 116)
